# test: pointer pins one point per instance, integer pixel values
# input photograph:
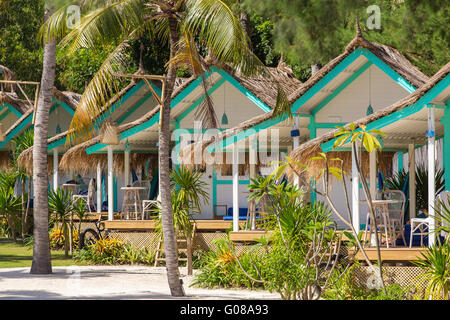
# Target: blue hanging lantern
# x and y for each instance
(224, 116)
(224, 119)
(369, 110)
(58, 129)
(295, 133)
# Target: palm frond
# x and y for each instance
(106, 23)
(217, 28)
(98, 92)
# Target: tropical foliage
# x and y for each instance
(435, 262)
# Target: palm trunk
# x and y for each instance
(170, 246)
(41, 248)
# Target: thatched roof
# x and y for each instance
(387, 54)
(76, 158)
(11, 97)
(265, 87)
(70, 98)
(311, 148)
(391, 56)
(5, 161)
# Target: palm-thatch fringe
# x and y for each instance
(76, 159)
(5, 160)
(315, 168)
(387, 54)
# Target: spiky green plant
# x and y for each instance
(60, 204)
(435, 262)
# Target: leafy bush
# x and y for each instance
(436, 264)
(220, 268)
(57, 238)
(345, 288)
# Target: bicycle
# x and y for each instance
(89, 236)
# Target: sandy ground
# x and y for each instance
(110, 282)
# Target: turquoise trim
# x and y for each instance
(330, 125)
(244, 91)
(5, 114)
(295, 106)
(339, 89)
(13, 110)
(400, 161)
(55, 144)
(403, 113)
(134, 108)
(17, 129)
(199, 100)
(120, 101)
(231, 182)
(152, 121)
(312, 128)
(327, 78)
(389, 71)
(66, 107)
(319, 86)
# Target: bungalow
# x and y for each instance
(126, 106)
(417, 119)
(364, 79)
(234, 98)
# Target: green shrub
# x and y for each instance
(220, 268)
(112, 251)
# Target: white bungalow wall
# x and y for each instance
(352, 102)
(238, 107)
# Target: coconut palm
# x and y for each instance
(41, 247)
(190, 27)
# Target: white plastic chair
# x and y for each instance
(421, 223)
(88, 198)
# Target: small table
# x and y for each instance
(132, 198)
(70, 187)
(383, 206)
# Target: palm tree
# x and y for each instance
(188, 26)
(41, 247)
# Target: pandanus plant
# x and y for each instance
(60, 204)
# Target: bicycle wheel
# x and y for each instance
(88, 237)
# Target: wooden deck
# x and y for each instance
(244, 236)
(141, 225)
(393, 254)
(397, 254)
